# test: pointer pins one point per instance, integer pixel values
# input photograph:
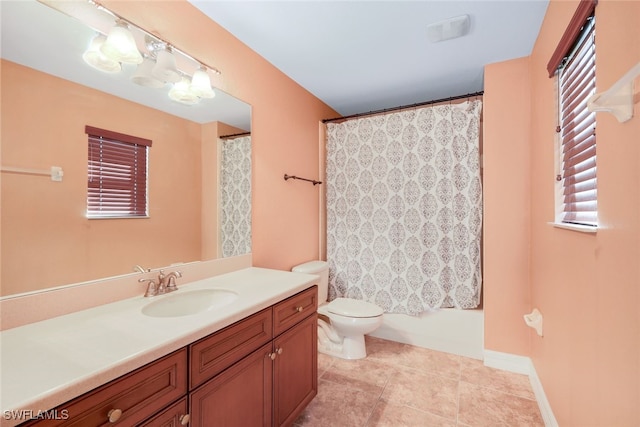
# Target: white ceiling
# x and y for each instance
(359, 56)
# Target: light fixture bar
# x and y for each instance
(148, 33)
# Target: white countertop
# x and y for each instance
(47, 363)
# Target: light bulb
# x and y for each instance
(144, 77)
(201, 84)
(120, 45)
(94, 57)
(165, 68)
(181, 92)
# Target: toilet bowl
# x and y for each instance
(343, 322)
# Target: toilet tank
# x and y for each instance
(320, 268)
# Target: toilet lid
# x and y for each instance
(353, 308)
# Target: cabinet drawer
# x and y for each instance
(213, 354)
(292, 310)
(138, 395)
(174, 416)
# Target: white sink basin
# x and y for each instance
(186, 303)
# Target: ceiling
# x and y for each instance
(360, 56)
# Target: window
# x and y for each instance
(577, 201)
(117, 175)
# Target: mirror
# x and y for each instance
(49, 95)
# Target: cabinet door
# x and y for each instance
(295, 370)
(238, 397)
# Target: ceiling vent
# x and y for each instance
(448, 29)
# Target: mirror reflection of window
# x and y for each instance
(235, 191)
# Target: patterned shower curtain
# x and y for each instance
(404, 208)
(235, 190)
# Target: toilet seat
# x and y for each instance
(349, 307)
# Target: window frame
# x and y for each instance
(117, 181)
(576, 208)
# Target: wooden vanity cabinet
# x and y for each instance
(260, 371)
(271, 385)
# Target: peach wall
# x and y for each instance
(284, 127)
(506, 205)
(46, 238)
(586, 285)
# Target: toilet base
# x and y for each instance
(329, 343)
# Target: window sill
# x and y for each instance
(575, 227)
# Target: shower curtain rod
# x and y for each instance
(403, 107)
(234, 135)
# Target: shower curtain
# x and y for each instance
(235, 196)
(404, 208)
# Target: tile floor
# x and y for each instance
(402, 385)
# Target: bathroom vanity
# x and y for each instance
(252, 362)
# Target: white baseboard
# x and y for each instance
(523, 365)
(545, 408)
(507, 362)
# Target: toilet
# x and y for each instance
(349, 319)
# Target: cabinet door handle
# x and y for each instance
(114, 415)
(279, 350)
(299, 309)
(272, 356)
(184, 419)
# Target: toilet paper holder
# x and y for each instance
(534, 320)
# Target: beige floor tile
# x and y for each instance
(486, 407)
(387, 414)
(433, 362)
(324, 363)
(364, 374)
(337, 405)
(426, 392)
(385, 351)
(401, 385)
(474, 372)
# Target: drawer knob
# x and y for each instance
(114, 415)
(184, 419)
(299, 309)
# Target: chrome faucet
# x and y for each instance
(167, 282)
(152, 289)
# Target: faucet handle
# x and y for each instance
(152, 290)
(171, 281)
(138, 269)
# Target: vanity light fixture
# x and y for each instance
(165, 68)
(120, 44)
(201, 83)
(94, 57)
(144, 76)
(159, 62)
(181, 92)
